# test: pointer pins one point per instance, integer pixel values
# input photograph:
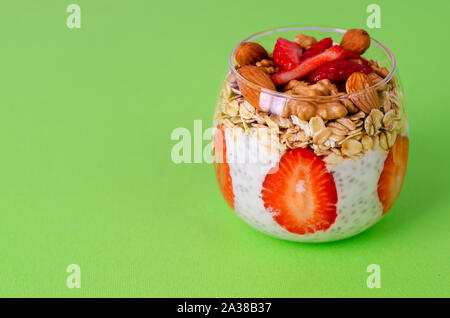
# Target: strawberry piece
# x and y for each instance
(393, 174)
(221, 166)
(301, 193)
(317, 48)
(309, 65)
(337, 71)
(286, 54)
(349, 55)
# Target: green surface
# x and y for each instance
(86, 174)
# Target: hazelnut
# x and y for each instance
(356, 40)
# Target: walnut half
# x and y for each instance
(307, 109)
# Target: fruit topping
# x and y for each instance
(317, 48)
(286, 54)
(337, 71)
(354, 57)
(309, 65)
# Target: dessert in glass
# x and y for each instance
(311, 136)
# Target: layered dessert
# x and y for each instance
(311, 139)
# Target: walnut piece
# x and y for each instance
(267, 66)
(305, 41)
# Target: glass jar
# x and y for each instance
(314, 166)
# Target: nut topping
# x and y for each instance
(258, 77)
(305, 41)
(248, 53)
(356, 40)
(314, 76)
(365, 100)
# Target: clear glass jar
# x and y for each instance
(313, 167)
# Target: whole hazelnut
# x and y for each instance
(356, 40)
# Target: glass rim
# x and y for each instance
(254, 36)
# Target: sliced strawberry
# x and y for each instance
(337, 71)
(221, 166)
(286, 54)
(309, 65)
(301, 193)
(317, 48)
(349, 55)
(393, 174)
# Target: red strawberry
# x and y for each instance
(301, 193)
(337, 71)
(221, 166)
(308, 65)
(286, 54)
(349, 55)
(317, 48)
(393, 174)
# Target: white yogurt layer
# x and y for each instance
(358, 206)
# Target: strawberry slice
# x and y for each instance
(393, 174)
(349, 55)
(337, 71)
(301, 193)
(317, 48)
(309, 65)
(286, 54)
(221, 166)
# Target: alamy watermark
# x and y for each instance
(73, 21)
(374, 19)
(74, 279)
(374, 279)
(209, 145)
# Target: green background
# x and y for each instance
(86, 173)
